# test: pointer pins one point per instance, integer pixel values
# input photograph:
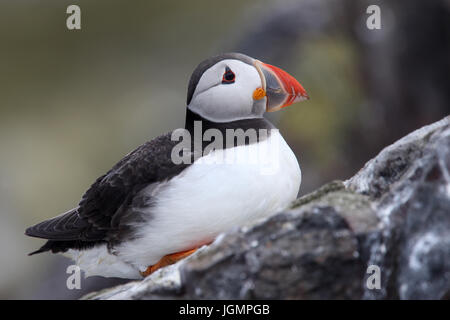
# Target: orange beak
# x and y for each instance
(281, 88)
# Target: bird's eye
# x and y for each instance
(228, 76)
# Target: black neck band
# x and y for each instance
(254, 130)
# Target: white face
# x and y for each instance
(220, 100)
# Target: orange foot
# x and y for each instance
(167, 260)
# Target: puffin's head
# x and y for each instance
(233, 86)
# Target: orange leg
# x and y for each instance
(167, 260)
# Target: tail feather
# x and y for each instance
(63, 232)
(66, 226)
(44, 248)
(62, 246)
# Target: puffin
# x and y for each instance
(228, 167)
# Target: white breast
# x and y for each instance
(226, 188)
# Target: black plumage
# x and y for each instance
(102, 214)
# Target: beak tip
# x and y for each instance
(302, 97)
(292, 90)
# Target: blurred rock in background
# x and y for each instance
(72, 103)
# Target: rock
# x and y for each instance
(409, 184)
(290, 256)
(393, 214)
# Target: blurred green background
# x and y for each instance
(72, 103)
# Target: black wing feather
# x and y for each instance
(97, 219)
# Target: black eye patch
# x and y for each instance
(228, 76)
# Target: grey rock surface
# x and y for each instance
(394, 214)
(409, 184)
